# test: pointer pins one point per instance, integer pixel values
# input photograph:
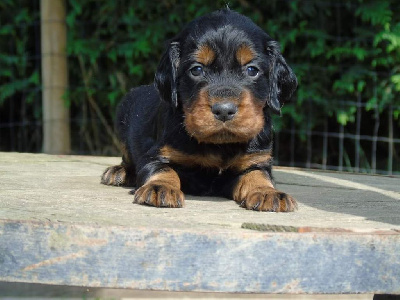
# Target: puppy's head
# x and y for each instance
(223, 72)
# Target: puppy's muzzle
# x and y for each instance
(226, 99)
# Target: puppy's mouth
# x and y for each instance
(227, 120)
(221, 135)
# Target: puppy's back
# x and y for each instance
(136, 120)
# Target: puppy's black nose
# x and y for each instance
(224, 111)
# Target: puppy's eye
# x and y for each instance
(252, 71)
(196, 71)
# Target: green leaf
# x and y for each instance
(34, 78)
(371, 104)
(376, 12)
(10, 88)
(113, 97)
(396, 80)
(6, 29)
(343, 117)
(361, 85)
(347, 52)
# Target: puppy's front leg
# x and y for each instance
(161, 189)
(255, 190)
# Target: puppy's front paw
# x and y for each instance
(255, 191)
(266, 199)
(115, 175)
(159, 195)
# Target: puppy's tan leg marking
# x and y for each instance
(255, 191)
(162, 189)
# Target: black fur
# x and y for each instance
(152, 117)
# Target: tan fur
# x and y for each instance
(168, 177)
(161, 190)
(244, 54)
(255, 191)
(238, 163)
(204, 55)
(201, 124)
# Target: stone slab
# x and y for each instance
(58, 225)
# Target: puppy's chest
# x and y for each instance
(220, 161)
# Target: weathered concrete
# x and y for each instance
(58, 225)
(31, 291)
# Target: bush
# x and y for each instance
(346, 55)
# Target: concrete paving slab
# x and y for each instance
(29, 291)
(55, 209)
(67, 189)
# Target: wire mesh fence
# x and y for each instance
(369, 143)
(343, 148)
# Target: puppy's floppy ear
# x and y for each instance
(282, 81)
(166, 74)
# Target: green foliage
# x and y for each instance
(17, 73)
(333, 63)
(121, 44)
(375, 12)
(359, 53)
(341, 52)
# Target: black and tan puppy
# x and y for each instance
(204, 126)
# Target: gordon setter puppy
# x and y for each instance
(204, 126)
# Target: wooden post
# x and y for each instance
(56, 131)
